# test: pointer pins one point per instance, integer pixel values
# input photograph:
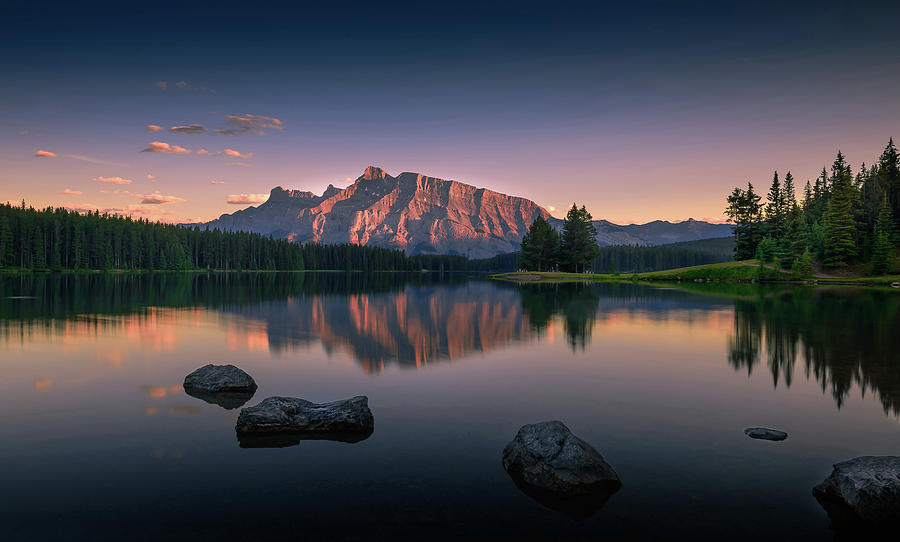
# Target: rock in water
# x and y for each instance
(865, 489)
(223, 385)
(548, 457)
(219, 378)
(765, 433)
(349, 420)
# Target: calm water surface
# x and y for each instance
(101, 442)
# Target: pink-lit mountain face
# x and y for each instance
(420, 214)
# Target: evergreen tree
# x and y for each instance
(883, 247)
(578, 245)
(745, 212)
(539, 246)
(888, 177)
(839, 223)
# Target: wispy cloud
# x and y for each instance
(44, 154)
(84, 158)
(235, 154)
(111, 180)
(204, 152)
(69, 192)
(216, 182)
(162, 84)
(158, 199)
(153, 128)
(237, 164)
(150, 177)
(249, 124)
(246, 199)
(189, 129)
(161, 146)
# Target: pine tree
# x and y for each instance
(839, 224)
(883, 247)
(539, 246)
(888, 177)
(578, 245)
(744, 211)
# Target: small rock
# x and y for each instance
(223, 385)
(862, 490)
(348, 420)
(765, 433)
(548, 457)
(219, 378)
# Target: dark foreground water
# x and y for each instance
(99, 440)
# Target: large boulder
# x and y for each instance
(287, 420)
(223, 385)
(862, 490)
(547, 457)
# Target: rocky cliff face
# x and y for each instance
(420, 214)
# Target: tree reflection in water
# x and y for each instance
(843, 336)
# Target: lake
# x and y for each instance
(101, 442)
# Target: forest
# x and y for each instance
(56, 239)
(843, 222)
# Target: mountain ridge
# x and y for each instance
(422, 214)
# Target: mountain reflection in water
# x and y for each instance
(839, 337)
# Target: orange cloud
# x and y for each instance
(161, 146)
(150, 177)
(162, 84)
(241, 164)
(216, 182)
(249, 124)
(153, 128)
(71, 192)
(158, 199)
(44, 154)
(205, 152)
(246, 199)
(111, 180)
(190, 129)
(235, 154)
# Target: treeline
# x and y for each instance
(573, 250)
(58, 239)
(843, 219)
(642, 259)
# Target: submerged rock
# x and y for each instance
(548, 458)
(348, 420)
(862, 490)
(223, 385)
(765, 433)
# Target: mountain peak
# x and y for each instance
(330, 191)
(279, 193)
(373, 173)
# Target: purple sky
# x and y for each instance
(655, 110)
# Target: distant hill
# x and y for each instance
(427, 215)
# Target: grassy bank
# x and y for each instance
(744, 271)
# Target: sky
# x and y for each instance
(638, 110)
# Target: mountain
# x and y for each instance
(421, 214)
